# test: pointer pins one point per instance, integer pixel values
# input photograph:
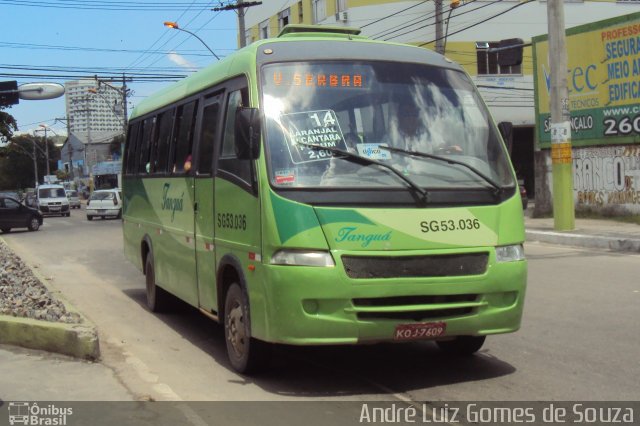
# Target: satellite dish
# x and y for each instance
(40, 91)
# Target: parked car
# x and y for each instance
(53, 200)
(11, 194)
(103, 203)
(14, 214)
(74, 200)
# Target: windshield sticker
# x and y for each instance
(373, 151)
(319, 128)
(285, 176)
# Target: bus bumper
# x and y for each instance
(321, 306)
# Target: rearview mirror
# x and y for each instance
(247, 133)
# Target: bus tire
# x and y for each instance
(158, 300)
(462, 345)
(246, 354)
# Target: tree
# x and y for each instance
(8, 124)
(16, 161)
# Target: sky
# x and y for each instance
(81, 38)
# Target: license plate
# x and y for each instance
(423, 330)
(101, 211)
(54, 209)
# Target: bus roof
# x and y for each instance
(244, 60)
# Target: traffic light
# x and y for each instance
(454, 4)
(8, 93)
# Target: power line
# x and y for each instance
(393, 14)
(171, 36)
(32, 46)
(111, 5)
(481, 22)
(433, 23)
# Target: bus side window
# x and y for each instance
(161, 151)
(145, 145)
(130, 152)
(207, 137)
(228, 159)
(182, 143)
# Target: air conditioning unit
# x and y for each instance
(341, 17)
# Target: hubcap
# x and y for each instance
(34, 223)
(235, 329)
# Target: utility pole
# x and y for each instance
(35, 163)
(124, 106)
(561, 159)
(240, 7)
(439, 32)
(46, 147)
(69, 145)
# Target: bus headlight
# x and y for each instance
(303, 258)
(510, 253)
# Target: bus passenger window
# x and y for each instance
(207, 137)
(228, 159)
(182, 143)
(161, 152)
(130, 150)
(145, 145)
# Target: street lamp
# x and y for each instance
(454, 4)
(175, 26)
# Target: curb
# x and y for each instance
(78, 340)
(621, 244)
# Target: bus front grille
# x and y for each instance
(415, 308)
(444, 265)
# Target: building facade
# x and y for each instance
(468, 31)
(95, 116)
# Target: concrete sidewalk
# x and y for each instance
(30, 375)
(601, 234)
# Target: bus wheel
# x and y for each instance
(246, 354)
(462, 345)
(158, 300)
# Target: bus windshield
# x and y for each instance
(363, 107)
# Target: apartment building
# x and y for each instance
(95, 116)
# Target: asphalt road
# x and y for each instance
(579, 339)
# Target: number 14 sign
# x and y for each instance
(312, 127)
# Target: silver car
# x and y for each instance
(74, 199)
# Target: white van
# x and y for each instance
(53, 200)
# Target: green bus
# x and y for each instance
(321, 188)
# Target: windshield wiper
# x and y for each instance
(496, 187)
(366, 161)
